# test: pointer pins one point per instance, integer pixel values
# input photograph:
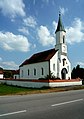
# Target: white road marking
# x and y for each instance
(6, 114)
(63, 103)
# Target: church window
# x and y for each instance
(54, 67)
(34, 71)
(28, 72)
(42, 71)
(22, 73)
(63, 39)
(68, 68)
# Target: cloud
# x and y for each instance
(24, 30)
(53, 2)
(11, 42)
(34, 2)
(30, 21)
(63, 10)
(54, 24)
(9, 65)
(45, 38)
(77, 0)
(75, 32)
(34, 46)
(0, 59)
(12, 8)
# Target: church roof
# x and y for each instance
(60, 26)
(40, 57)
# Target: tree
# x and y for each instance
(8, 74)
(77, 72)
(73, 74)
(1, 68)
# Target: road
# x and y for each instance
(61, 105)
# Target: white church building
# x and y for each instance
(53, 61)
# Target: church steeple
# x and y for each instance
(60, 26)
(60, 37)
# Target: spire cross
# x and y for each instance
(59, 13)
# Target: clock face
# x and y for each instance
(64, 49)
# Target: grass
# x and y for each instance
(12, 90)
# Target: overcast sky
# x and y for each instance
(28, 27)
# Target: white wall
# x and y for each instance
(31, 67)
(60, 84)
(1, 76)
(53, 61)
(26, 83)
(59, 37)
(60, 66)
(67, 66)
(40, 84)
(45, 65)
(62, 54)
(16, 76)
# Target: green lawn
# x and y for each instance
(10, 90)
(13, 90)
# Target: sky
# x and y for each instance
(28, 27)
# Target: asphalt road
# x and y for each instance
(62, 105)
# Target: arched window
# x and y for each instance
(34, 71)
(42, 71)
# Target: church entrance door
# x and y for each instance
(63, 73)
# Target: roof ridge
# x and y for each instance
(44, 51)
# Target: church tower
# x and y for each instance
(63, 64)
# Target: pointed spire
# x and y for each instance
(60, 26)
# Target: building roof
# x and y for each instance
(60, 26)
(1, 71)
(40, 57)
(16, 72)
(12, 71)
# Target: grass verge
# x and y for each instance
(12, 90)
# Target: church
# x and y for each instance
(53, 61)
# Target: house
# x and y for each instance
(16, 74)
(1, 73)
(10, 74)
(53, 61)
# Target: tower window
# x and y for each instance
(63, 39)
(64, 61)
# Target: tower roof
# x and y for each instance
(60, 26)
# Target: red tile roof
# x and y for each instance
(40, 57)
(12, 71)
(15, 72)
(1, 71)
